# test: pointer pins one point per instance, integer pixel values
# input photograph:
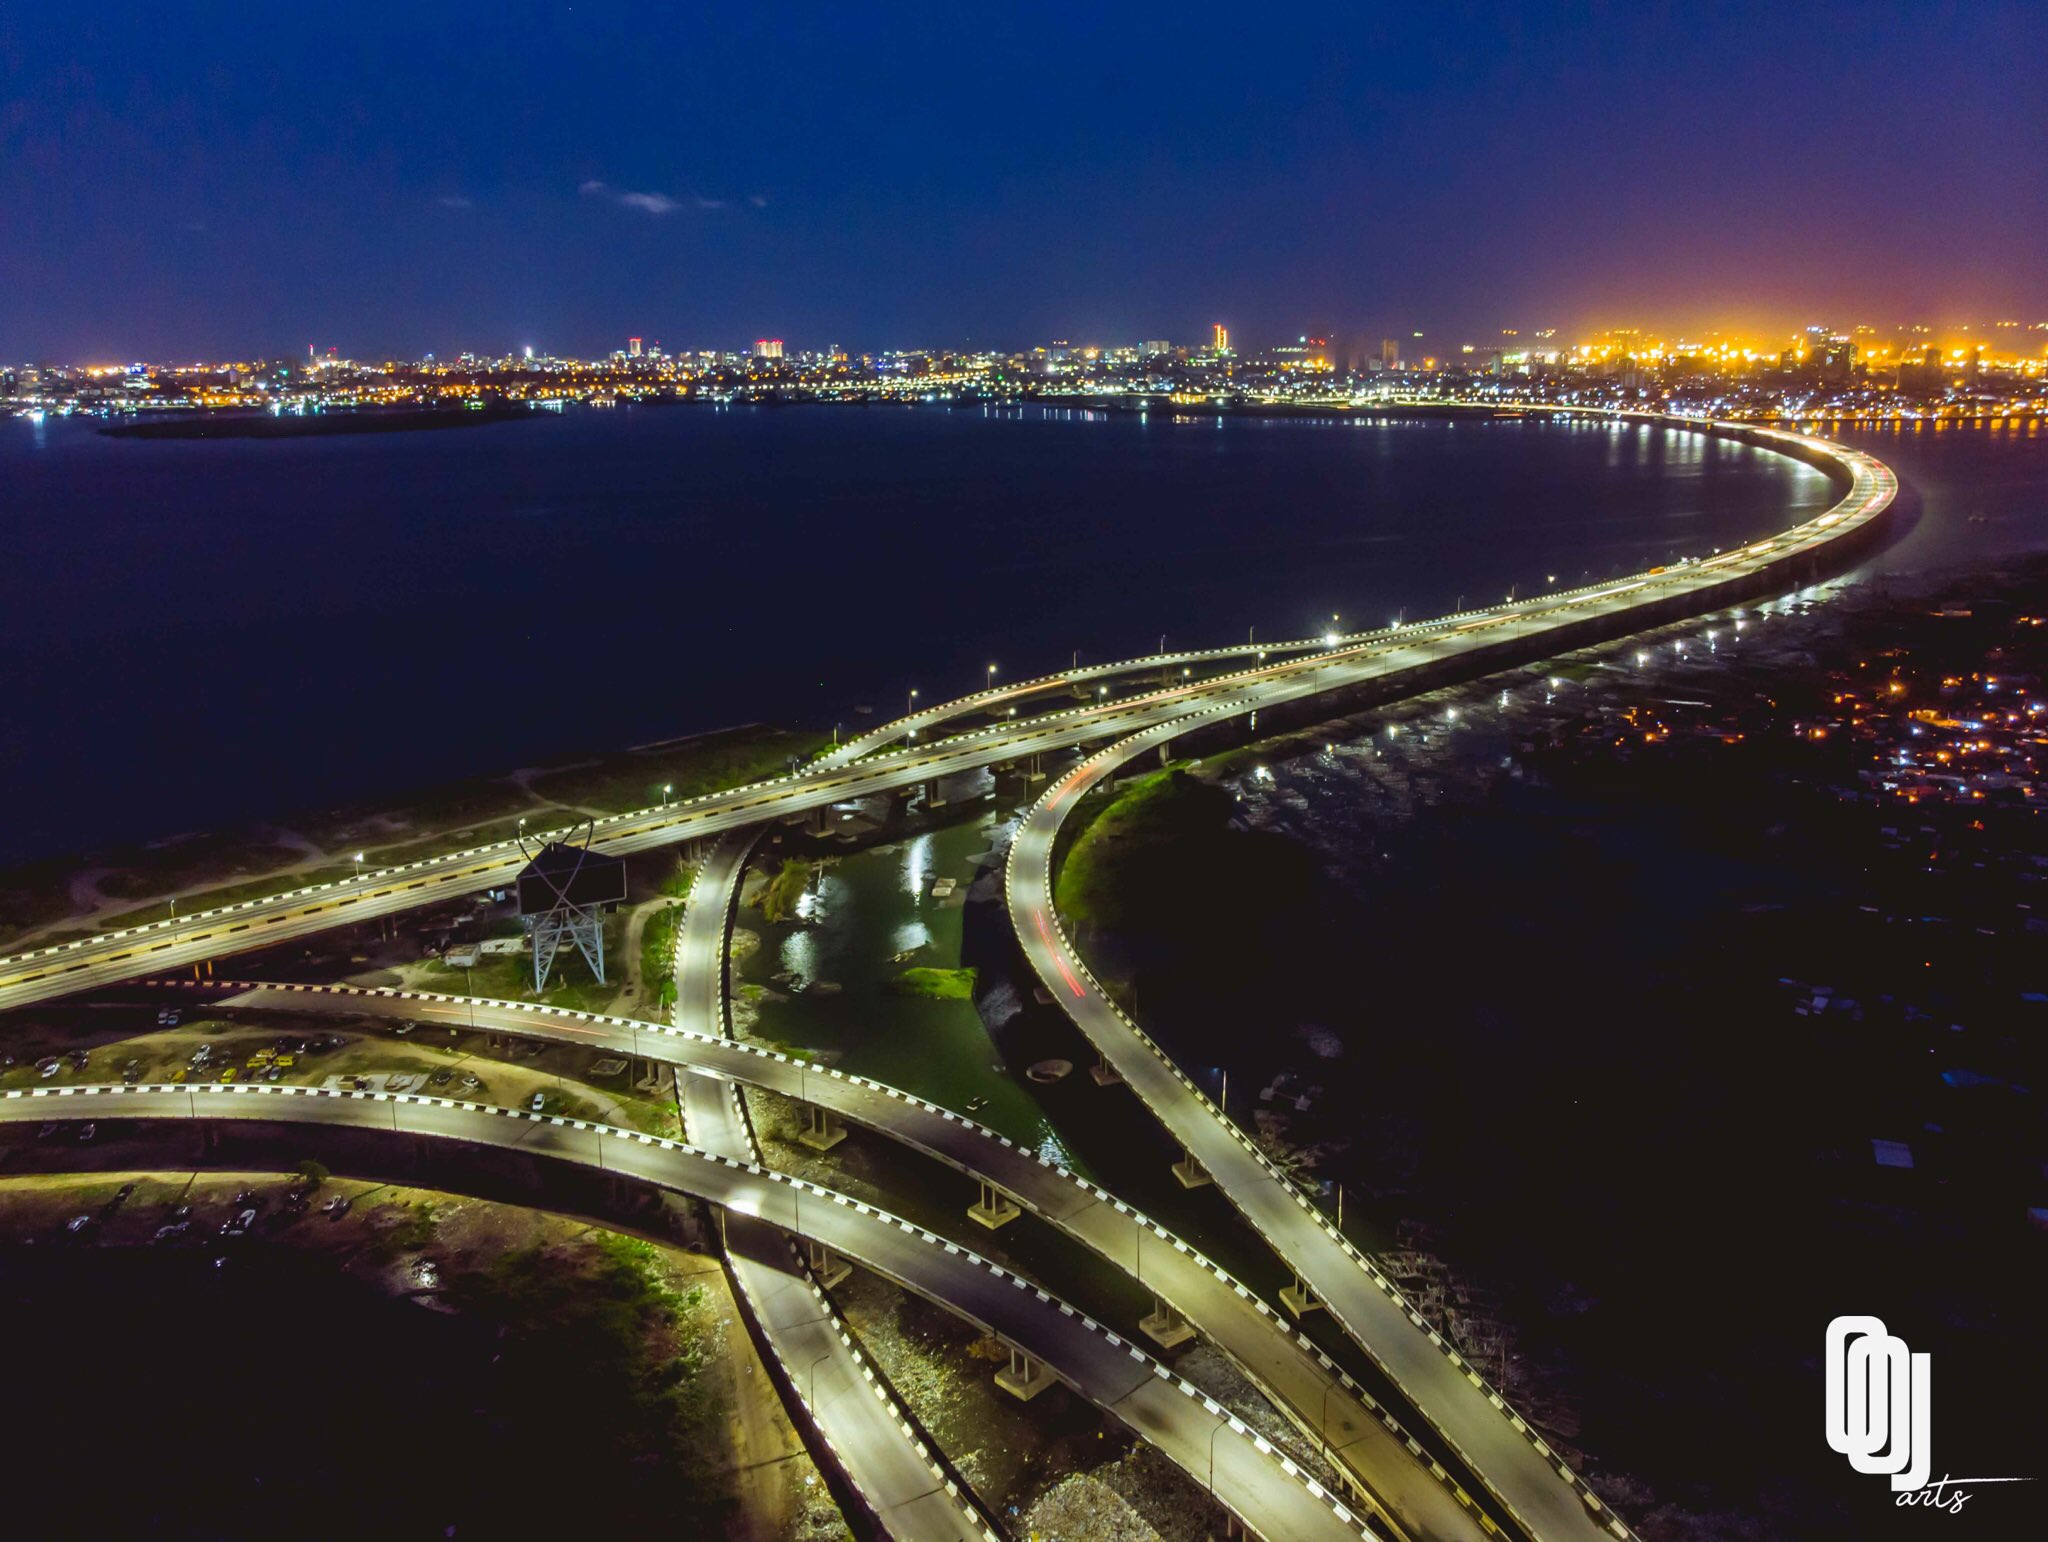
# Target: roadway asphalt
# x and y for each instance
(1356, 1434)
(1379, 657)
(1497, 1446)
(1235, 1464)
(877, 1444)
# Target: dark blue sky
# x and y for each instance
(227, 179)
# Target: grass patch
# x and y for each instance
(779, 899)
(692, 767)
(679, 881)
(226, 867)
(935, 984)
(658, 954)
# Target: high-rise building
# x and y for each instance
(1390, 353)
(632, 347)
(768, 348)
(1222, 338)
(1147, 350)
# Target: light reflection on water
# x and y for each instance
(917, 865)
(831, 969)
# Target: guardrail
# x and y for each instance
(249, 1096)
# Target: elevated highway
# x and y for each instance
(1358, 1435)
(1546, 1499)
(1219, 1452)
(1382, 659)
(898, 1472)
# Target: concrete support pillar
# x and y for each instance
(1164, 1326)
(1023, 1378)
(1192, 1174)
(994, 1209)
(1104, 1074)
(821, 1131)
(1166, 753)
(931, 794)
(821, 819)
(1298, 1298)
(1034, 767)
(827, 1266)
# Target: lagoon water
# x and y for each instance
(209, 632)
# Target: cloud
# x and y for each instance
(454, 201)
(646, 203)
(758, 200)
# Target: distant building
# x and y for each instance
(1150, 350)
(768, 348)
(1390, 353)
(1222, 339)
(632, 347)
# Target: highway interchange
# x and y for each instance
(1396, 1489)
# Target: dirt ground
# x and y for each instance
(413, 1242)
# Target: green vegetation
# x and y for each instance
(692, 767)
(226, 867)
(1116, 846)
(935, 984)
(658, 955)
(779, 899)
(509, 976)
(607, 1330)
(680, 880)
(313, 1173)
(1211, 921)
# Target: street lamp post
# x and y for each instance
(911, 705)
(813, 1398)
(667, 790)
(359, 864)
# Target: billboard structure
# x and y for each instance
(564, 891)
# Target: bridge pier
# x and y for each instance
(931, 793)
(1298, 1298)
(822, 1129)
(1103, 1073)
(826, 1265)
(1034, 767)
(1023, 1378)
(994, 1209)
(1192, 1174)
(1164, 1326)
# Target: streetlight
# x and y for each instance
(667, 789)
(813, 1399)
(359, 864)
(991, 677)
(911, 705)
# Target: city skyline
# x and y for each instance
(559, 178)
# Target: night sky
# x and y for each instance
(232, 181)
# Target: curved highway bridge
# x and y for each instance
(900, 1477)
(1217, 1450)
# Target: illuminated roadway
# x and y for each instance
(910, 1488)
(1139, 722)
(1545, 1497)
(1217, 1450)
(1377, 658)
(1354, 1432)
